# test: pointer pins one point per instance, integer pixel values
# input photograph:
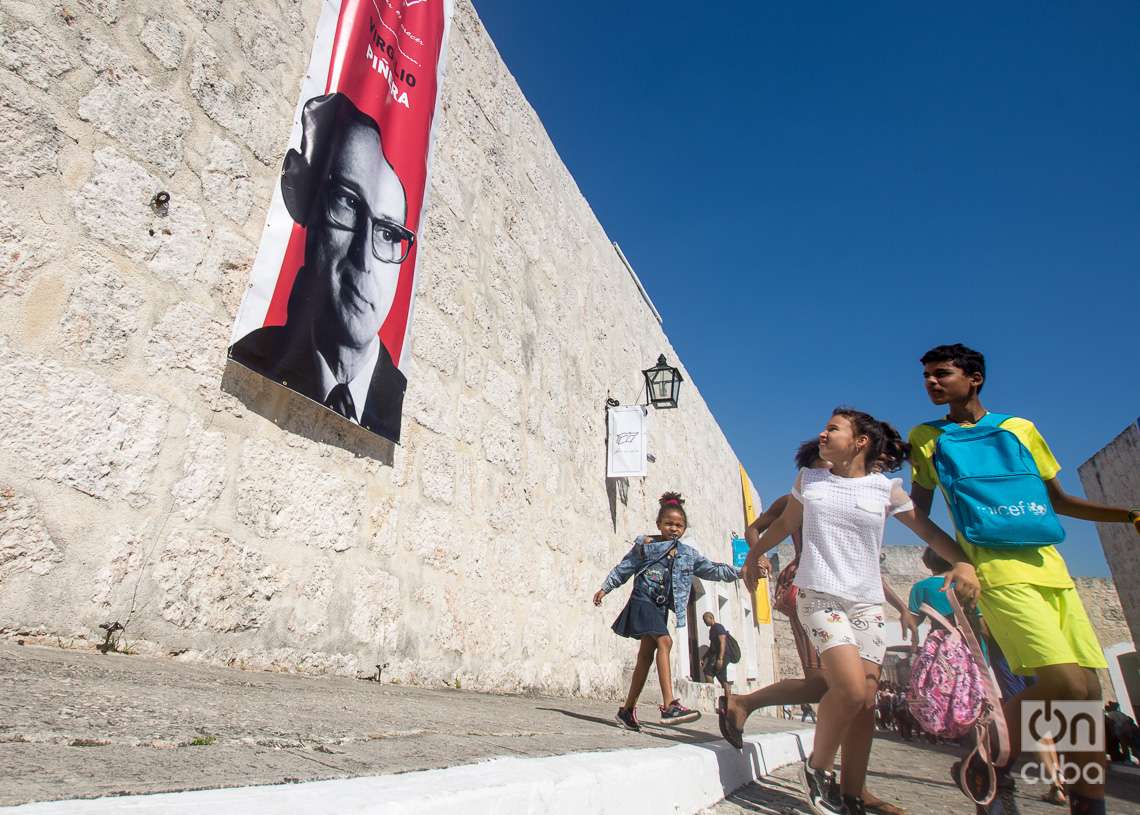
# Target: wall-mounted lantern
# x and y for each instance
(662, 383)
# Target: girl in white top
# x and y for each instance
(842, 512)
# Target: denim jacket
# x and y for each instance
(689, 563)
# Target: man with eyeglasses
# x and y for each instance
(343, 190)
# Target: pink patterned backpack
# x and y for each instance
(952, 692)
(945, 694)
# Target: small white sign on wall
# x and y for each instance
(627, 447)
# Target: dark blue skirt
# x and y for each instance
(641, 618)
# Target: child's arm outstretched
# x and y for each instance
(963, 576)
(758, 527)
(622, 572)
(790, 520)
(711, 570)
(1065, 504)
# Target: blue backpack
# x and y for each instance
(993, 487)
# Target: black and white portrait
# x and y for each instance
(345, 192)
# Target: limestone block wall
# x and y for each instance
(1112, 476)
(216, 516)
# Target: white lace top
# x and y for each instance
(843, 531)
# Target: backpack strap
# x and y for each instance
(993, 696)
(929, 611)
(989, 420)
(992, 420)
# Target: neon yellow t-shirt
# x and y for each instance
(1037, 565)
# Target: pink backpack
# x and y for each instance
(952, 692)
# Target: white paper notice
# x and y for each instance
(628, 444)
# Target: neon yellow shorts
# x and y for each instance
(1041, 625)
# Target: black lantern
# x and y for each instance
(662, 382)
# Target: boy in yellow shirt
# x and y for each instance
(1028, 597)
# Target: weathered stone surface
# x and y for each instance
(188, 339)
(203, 471)
(502, 443)
(240, 105)
(29, 140)
(72, 428)
(376, 609)
(115, 206)
(226, 182)
(283, 497)
(437, 470)
(259, 37)
(437, 341)
(209, 581)
(26, 545)
(310, 615)
(430, 400)
(101, 55)
(102, 311)
(33, 55)
(207, 10)
(1112, 477)
(225, 269)
(105, 10)
(382, 523)
(22, 249)
(163, 39)
(147, 122)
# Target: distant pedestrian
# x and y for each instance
(718, 661)
(807, 710)
(663, 568)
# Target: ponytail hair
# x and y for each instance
(671, 501)
(887, 451)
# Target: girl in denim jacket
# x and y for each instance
(663, 568)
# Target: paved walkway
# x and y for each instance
(76, 724)
(917, 778)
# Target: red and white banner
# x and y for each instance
(328, 312)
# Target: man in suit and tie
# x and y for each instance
(342, 188)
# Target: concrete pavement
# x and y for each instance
(915, 776)
(79, 725)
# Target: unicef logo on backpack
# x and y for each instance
(1016, 510)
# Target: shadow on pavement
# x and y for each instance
(663, 732)
(777, 796)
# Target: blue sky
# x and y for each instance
(814, 194)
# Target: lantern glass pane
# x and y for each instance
(663, 388)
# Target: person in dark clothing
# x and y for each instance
(716, 663)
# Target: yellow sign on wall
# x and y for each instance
(761, 605)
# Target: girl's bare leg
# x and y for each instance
(857, 743)
(844, 700)
(640, 670)
(664, 644)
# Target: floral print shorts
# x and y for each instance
(831, 621)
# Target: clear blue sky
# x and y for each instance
(814, 194)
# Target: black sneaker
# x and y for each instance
(628, 719)
(822, 791)
(677, 713)
(854, 805)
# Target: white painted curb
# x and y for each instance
(682, 780)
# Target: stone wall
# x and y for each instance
(218, 517)
(1112, 476)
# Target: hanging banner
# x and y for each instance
(627, 447)
(328, 311)
(761, 603)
